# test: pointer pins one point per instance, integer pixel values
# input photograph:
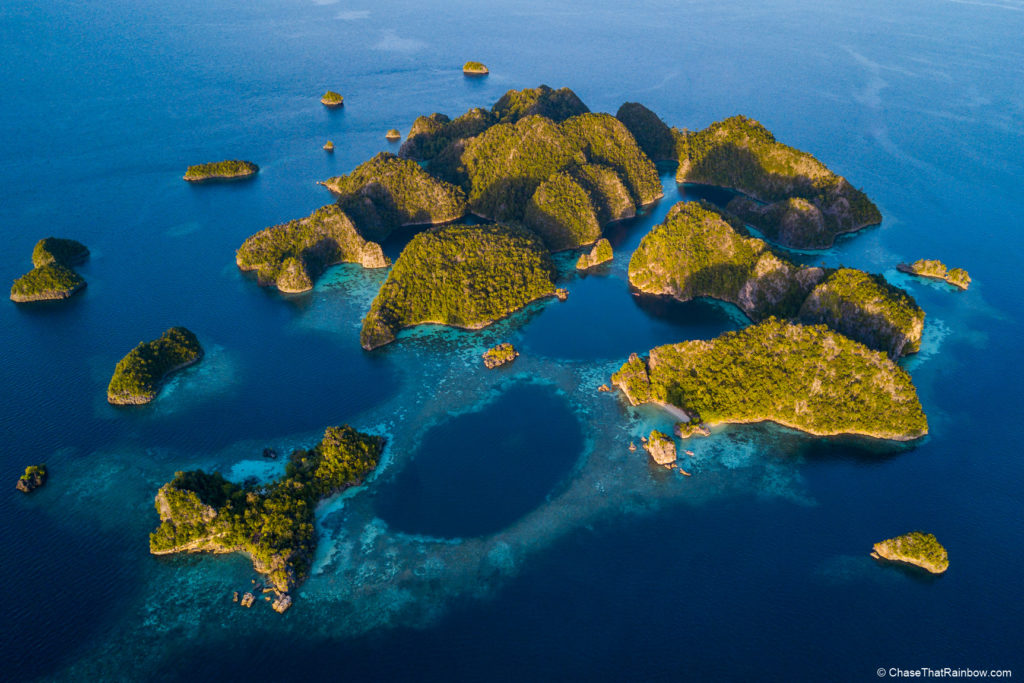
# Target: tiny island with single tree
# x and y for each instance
(916, 548)
(272, 523)
(52, 277)
(332, 100)
(936, 270)
(231, 169)
(139, 375)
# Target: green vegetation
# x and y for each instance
(386, 192)
(138, 376)
(462, 275)
(589, 159)
(292, 255)
(805, 377)
(474, 69)
(329, 146)
(332, 99)
(557, 105)
(430, 135)
(34, 477)
(499, 355)
(393, 134)
(651, 133)
(696, 253)
(60, 251)
(274, 523)
(742, 154)
(48, 282)
(916, 548)
(233, 168)
(867, 308)
(957, 277)
(600, 253)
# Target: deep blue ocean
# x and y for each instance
(509, 534)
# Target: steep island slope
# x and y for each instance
(274, 523)
(292, 255)
(461, 275)
(51, 277)
(696, 252)
(387, 192)
(805, 377)
(807, 204)
(139, 375)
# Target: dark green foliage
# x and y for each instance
(232, 168)
(806, 377)
(64, 252)
(430, 135)
(387, 192)
(867, 308)
(696, 253)
(557, 105)
(605, 140)
(917, 548)
(562, 213)
(274, 524)
(138, 375)
(651, 133)
(476, 68)
(462, 275)
(293, 254)
(52, 281)
(742, 154)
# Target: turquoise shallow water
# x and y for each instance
(755, 567)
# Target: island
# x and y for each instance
(332, 100)
(51, 277)
(701, 251)
(387, 192)
(465, 276)
(231, 169)
(273, 523)
(502, 354)
(791, 197)
(599, 254)
(34, 477)
(139, 375)
(46, 283)
(431, 135)
(393, 135)
(936, 270)
(661, 448)
(806, 377)
(916, 548)
(292, 255)
(58, 250)
(474, 69)
(654, 137)
(329, 146)
(866, 308)
(557, 105)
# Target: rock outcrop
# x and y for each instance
(34, 477)
(661, 448)
(502, 354)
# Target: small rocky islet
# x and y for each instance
(936, 270)
(231, 169)
(502, 354)
(139, 375)
(474, 69)
(33, 478)
(917, 548)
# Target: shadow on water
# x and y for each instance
(478, 472)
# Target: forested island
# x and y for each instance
(461, 275)
(802, 376)
(272, 523)
(52, 277)
(936, 270)
(331, 99)
(599, 254)
(698, 252)
(221, 170)
(139, 375)
(34, 477)
(292, 255)
(474, 69)
(916, 548)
